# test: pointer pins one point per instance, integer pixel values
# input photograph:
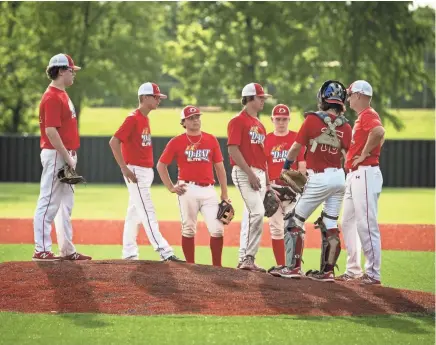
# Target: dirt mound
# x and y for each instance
(149, 288)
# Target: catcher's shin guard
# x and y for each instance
(294, 242)
(330, 244)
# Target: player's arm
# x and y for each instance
(375, 138)
(56, 141)
(238, 158)
(115, 145)
(292, 155)
(302, 167)
(162, 170)
(222, 179)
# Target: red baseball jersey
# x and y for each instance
(324, 156)
(135, 134)
(57, 110)
(276, 151)
(366, 121)
(195, 156)
(249, 134)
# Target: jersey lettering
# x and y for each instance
(196, 155)
(278, 154)
(255, 136)
(146, 137)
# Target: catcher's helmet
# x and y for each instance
(332, 91)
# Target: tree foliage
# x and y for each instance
(117, 44)
(212, 49)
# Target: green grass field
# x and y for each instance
(419, 123)
(98, 201)
(401, 269)
(199, 330)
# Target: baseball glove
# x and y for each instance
(285, 193)
(270, 203)
(226, 212)
(69, 175)
(294, 179)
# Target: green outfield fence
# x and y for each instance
(404, 163)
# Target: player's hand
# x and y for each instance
(71, 162)
(179, 189)
(225, 197)
(129, 175)
(358, 159)
(254, 181)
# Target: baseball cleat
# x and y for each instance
(348, 278)
(131, 257)
(321, 276)
(249, 265)
(367, 280)
(76, 256)
(287, 272)
(173, 258)
(45, 256)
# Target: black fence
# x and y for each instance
(404, 163)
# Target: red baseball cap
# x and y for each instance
(280, 110)
(63, 60)
(150, 89)
(189, 111)
(254, 89)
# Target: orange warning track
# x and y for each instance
(394, 236)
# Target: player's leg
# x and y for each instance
(209, 210)
(256, 211)
(276, 227)
(314, 194)
(141, 195)
(49, 200)
(366, 189)
(189, 206)
(130, 232)
(328, 225)
(351, 237)
(243, 235)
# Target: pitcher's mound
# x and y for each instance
(149, 288)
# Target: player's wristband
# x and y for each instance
(287, 164)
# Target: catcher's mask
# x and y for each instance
(332, 91)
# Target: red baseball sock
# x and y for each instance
(278, 247)
(188, 246)
(216, 247)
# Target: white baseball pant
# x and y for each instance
(141, 209)
(251, 230)
(199, 199)
(55, 202)
(359, 220)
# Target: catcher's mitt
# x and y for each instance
(68, 175)
(285, 193)
(226, 212)
(270, 203)
(294, 179)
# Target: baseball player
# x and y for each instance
(246, 140)
(326, 135)
(135, 158)
(59, 142)
(277, 144)
(196, 154)
(363, 187)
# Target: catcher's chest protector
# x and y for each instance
(329, 136)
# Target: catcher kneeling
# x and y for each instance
(326, 135)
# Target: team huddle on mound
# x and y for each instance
(282, 175)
